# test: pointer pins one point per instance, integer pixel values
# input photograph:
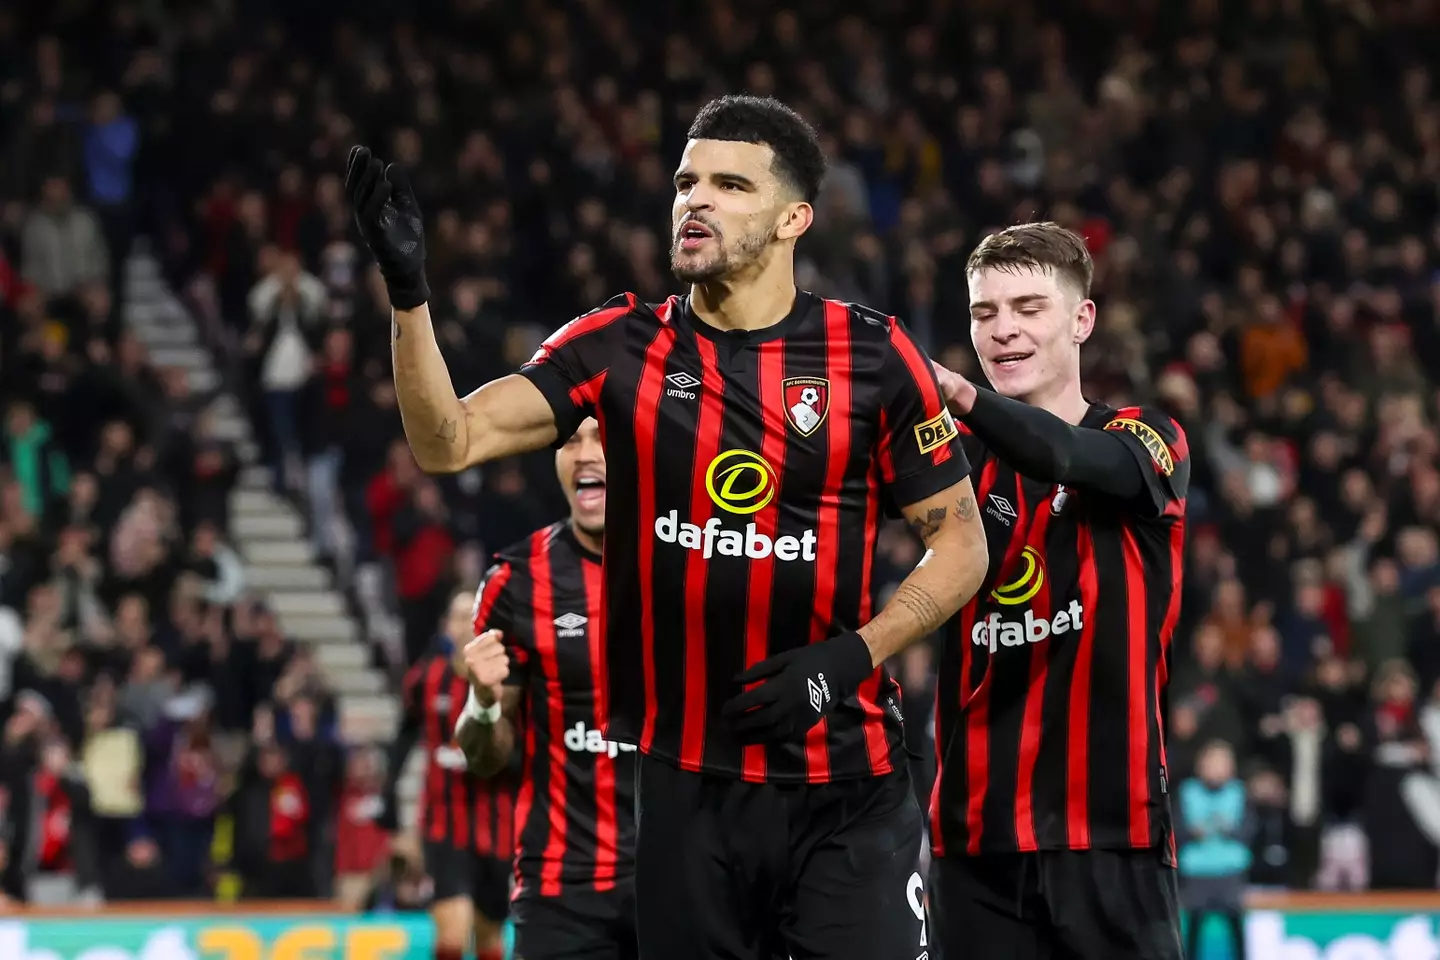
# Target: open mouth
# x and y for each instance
(590, 491)
(1009, 361)
(693, 233)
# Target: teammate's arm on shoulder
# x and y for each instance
(1138, 456)
(918, 453)
(945, 579)
(488, 746)
(1159, 458)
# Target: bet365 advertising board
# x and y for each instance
(1270, 935)
(221, 937)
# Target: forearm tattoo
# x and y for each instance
(448, 430)
(927, 526)
(923, 606)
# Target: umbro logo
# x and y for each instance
(819, 692)
(682, 385)
(817, 699)
(1001, 509)
(570, 625)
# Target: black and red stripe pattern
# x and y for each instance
(1049, 726)
(746, 472)
(455, 807)
(575, 811)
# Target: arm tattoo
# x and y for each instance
(447, 431)
(927, 526)
(965, 508)
(919, 602)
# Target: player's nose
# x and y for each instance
(1005, 326)
(700, 197)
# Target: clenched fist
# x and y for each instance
(487, 664)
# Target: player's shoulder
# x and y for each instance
(630, 306)
(1160, 433)
(866, 322)
(1129, 418)
(623, 307)
(520, 556)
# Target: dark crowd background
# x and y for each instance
(1257, 182)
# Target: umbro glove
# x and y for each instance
(389, 220)
(797, 688)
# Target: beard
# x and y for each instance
(725, 262)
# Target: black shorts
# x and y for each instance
(749, 871)
(457, 872)
(577, 925)
(1056, 905)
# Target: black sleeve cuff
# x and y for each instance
(904, 491)
(557, 393)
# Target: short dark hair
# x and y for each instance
(1036, 246)
(799, 161)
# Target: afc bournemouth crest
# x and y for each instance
(807, 400)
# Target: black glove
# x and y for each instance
(389, 220)
(801, 686)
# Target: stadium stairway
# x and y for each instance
(268, 530)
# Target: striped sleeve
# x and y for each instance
(571, 365)
(919, 451)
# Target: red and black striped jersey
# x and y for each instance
(746, 474)
(456, 807)
(1049, 729)
(575, 814)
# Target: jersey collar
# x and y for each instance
(567, 530)
(805, 303)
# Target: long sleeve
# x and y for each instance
(1139, 456)
(1041, 446)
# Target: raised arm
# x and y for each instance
(487, 729)
(446, 432)
(486, 734)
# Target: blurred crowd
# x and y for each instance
(1257, 182)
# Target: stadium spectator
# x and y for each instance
(63, 244)
(1214, 856)
(361, 843)
(274, 815)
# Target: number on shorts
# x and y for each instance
(915, 893)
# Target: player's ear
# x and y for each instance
(1084, 321)
(795, 218)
